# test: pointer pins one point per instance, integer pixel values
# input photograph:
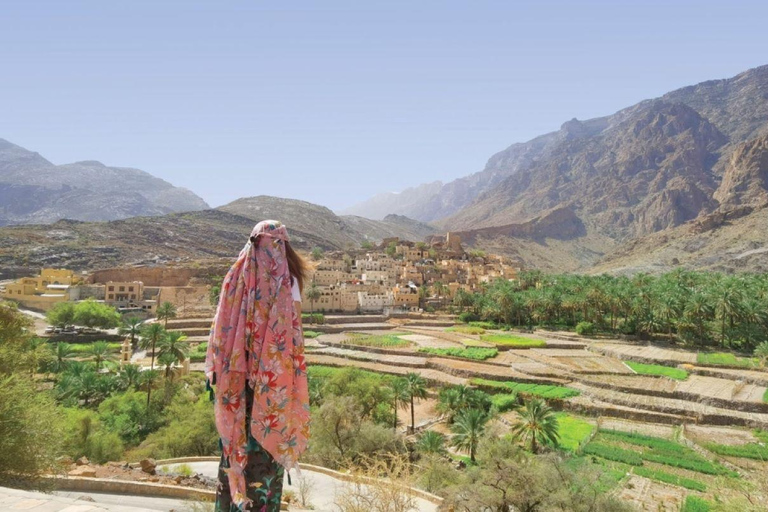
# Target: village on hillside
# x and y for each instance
(394, 275)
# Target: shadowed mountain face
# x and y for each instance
(33, 190)
(693, 153)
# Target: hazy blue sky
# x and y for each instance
(333, 101)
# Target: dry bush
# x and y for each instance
(305, 487)
(380, 485)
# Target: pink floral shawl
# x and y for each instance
(256, 313)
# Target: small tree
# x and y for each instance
(400, 397)
(391, 249)
(150, 336)
(174, 342)
(317, 253)
(166, 311)
(100, 352)
(468, 429)
(416, 387)
(131, 327)
(95, 314)
(431, 442)
(62, 314)
(539, 425)
(313, 294)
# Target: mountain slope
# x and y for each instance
(33, 190)
(186, 237)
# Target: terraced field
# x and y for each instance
(697, 418)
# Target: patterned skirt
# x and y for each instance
(263, 476)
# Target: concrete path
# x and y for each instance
(322, 494)
(76, 501)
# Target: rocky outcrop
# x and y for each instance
(746, 178)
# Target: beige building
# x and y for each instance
(50, 287)
(405, 296)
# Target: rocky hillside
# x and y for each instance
(187, 237)
(33, 190)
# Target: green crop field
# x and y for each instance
(474, 353)
(537, 390)
(573, 431)
(392, 340)
(510, 340)
(727, 359)
(655, 369)
(466, 329)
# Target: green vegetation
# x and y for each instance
(466, 329)
(747, 451)
(474, 353)
(607, 451)
(585, 328)
(88, 313)
(573, 431)
(670, 478)
(484, 325)
(656, 369)
(667, 452)
(695, 504)
(82, 349)
(311, 334)
(197, 354)
(535, 390)
(313, 318)
(510, 340)
(695, 308)
(538, 425)
(377, 340)
(727, 359)
(504, 402)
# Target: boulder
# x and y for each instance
(83, 471)
(148, 466)
(82, 461)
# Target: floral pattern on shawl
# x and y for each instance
(256, 315)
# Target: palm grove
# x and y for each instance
(693, 308)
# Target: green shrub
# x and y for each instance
(466, 329)
(696, 504)
(655, 369)
(726, 359)
(474, 353)
(29, 430)
(198, 354)
(614, 453)
(535, 390)
(84, 349)
(669, 478)
(467, 317)
(585, 328)
(311, 334)
(513, 341)
(504, 401)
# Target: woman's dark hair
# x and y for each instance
(296, 264)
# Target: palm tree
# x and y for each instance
(440, 289)
(150, 336)
(165, 311)
(761, 352)
(313, 294)
(431, 442)
(131, 327)
(423, 294)
(416, 387)
(468, 429)
(174, 343)
(100, 352)
(539, 424)
(167, 360)
(129, 376)
(62, 352)
(727, 306)
(400, 397)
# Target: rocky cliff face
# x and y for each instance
(33, 190)
(746, 177)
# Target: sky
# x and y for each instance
(334, 101)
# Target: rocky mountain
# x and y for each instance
(577, 196)
(185, 238)
(33, 190)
